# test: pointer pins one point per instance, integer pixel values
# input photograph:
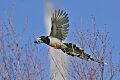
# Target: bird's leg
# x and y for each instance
(83, 54)
(73, 49)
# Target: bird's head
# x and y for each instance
(44, 39)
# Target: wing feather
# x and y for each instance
(59, 25)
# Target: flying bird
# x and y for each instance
(58, 34)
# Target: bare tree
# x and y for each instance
(19, 61)
(99, 45)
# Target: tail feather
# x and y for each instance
(73, 50)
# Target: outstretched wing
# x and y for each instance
(59, 25)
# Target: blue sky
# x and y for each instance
(106, 12)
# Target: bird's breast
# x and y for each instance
(54, 42)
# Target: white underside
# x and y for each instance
(54, 40)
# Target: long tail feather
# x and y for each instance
(73, 50)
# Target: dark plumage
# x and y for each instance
(45, 39)
(59, 32)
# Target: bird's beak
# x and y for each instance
(38, 38)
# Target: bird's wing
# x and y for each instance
(60, 25)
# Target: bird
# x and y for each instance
(58, 34)
(59, 30)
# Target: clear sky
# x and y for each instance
(106, 12)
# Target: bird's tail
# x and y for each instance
(73, 50)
